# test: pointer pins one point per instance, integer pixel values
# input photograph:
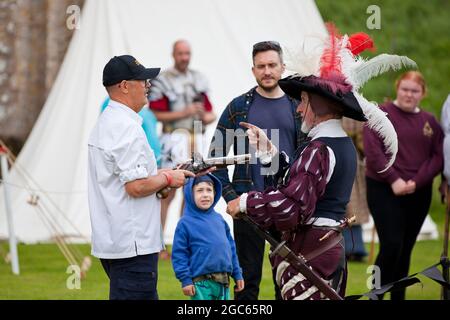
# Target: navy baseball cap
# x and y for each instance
(126, 67)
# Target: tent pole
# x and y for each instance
(12, 236)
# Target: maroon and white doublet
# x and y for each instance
(290, 209)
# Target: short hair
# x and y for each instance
(264, 46)
(111, 89)
(415, 76)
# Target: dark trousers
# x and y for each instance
(398, 220)
(132, 278)
(250, 250)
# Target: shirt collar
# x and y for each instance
(331, 128)
(416, 109)
(125, 110)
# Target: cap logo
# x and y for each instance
(137, 63)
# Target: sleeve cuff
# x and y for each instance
(238, 276)
(392, 177)
(243, 203)
(420, 182)
(186, 282)
(266, 156)
(140, 172)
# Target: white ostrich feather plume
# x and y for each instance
(378, 121)
(304, 62)
(348, 64)
(299, 62)
(362, 71)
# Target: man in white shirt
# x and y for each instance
(122, 183)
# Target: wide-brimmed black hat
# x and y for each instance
(338, 73)
(126, 67)
(294, 85)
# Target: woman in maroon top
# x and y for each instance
(399, 197)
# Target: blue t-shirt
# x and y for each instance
(270, 114)
(149, 125)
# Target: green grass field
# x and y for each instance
(43, 276)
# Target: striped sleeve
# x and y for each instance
(294, 203)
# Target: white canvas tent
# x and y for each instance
(221, 34)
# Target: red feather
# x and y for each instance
(330, 61)
(331, 76)
(359, 42)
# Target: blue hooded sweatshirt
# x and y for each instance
(203, 242)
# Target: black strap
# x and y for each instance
(432, 273)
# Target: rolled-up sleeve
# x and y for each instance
(131, 157)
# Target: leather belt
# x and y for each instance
(219, 277)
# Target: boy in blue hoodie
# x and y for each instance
(204, 253)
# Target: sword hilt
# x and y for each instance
(346, 223)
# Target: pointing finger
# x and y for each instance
(187, 173)
(248, 125)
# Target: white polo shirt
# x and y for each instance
(122, 226)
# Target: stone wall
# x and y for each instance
(33, 41)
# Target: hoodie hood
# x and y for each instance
(190, 208)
